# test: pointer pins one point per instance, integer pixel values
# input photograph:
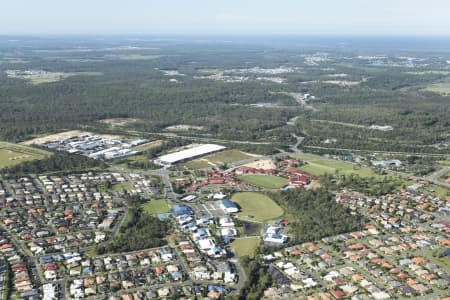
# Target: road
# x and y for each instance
(417, 178)
(204, 139)
(29, 257)
(163, 173)
(381, 152)
(438, 174)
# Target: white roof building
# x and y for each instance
(180, 156)
(206, 244)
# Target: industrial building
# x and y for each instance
(188, 154)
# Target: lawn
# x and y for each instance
(122, 186)
(154, 207)
(319, 166)
(317, 169)
(14, 154)
(245, 246)
(228, 156)
(218, 159)
(439, 191)
(197, 164)
(260, 206)
(445, 162)
(265, 181)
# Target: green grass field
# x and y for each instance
(246, 246)
(154, 207)
(318, 165)
(217, 159)
(445, 162)
(317, 169)
(197, 164)
(439, 191)
(265, 181)
(54, 77)
(445, 176)
(439, 88)
(228, 156)
(122, 186)
(259, 205)
(14, 154)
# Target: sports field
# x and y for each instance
(265, 181)
(258, 205)
(154, 207)
(14, 154)
(245, 246)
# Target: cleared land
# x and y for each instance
(262, 164)
(154, 207)
(317, 169)
(342, 83)
(261, 207)
(439, 88)
(148, 146)
(63, 135)
(122, 186)
(265, 181)
(118, 121)
(445, 176)
(245, 246)
(318, 165)
(182, 127)
(49, 77)
(439, 191)
(133, 56)
(340, 123)
(14, 154)
(198, 164)
(432, 72)
(218, 159)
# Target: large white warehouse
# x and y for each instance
(184, 155)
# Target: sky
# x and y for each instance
(226, 17)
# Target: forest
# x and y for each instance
(131, 233)
(316, 214)
(233, 91)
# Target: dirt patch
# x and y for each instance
(63, 135)
(262, 164)
(118, 121)
(342, 82)
(182, 127)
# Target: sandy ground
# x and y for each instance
(182, 127)
(262, 164)
(63, 135)
(118, 121)
(342, 82)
